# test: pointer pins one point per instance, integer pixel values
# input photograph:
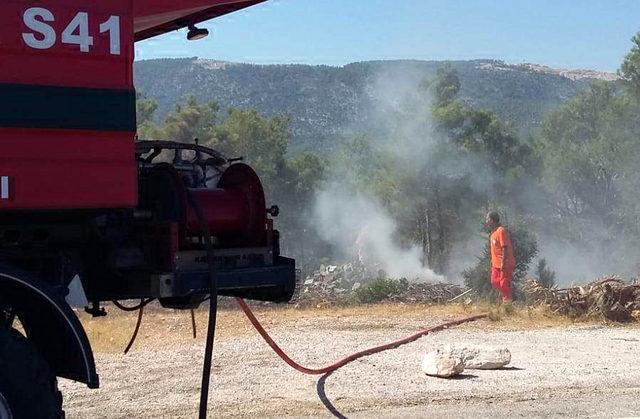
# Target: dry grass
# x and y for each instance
(162, 327)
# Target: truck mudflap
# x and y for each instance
(50, 324)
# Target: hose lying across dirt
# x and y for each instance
(317, 371)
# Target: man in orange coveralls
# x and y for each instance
(502, 260)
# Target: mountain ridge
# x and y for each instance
(326, 103)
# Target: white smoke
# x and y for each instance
(355, 222)
(361, 229)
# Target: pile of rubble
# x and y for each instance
(609, 298)
(331, 282)
(425, 293)
(339, 283)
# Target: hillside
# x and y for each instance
(325, 103)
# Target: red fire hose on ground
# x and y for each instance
(317, 371)
(265, 335)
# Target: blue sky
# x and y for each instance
(590, 34)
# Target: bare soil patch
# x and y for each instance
(556, 363)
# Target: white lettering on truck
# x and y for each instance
(77, 32)
(45, 31)
(4, 187)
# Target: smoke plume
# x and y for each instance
(353, 220)
(362, 230)
(356, 223)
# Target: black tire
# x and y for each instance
(26, 381)
(5, 410)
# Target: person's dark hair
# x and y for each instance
(494, 216)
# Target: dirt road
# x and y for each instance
(557, 369)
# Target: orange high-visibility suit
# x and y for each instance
(502, 271)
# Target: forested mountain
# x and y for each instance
(326, 103)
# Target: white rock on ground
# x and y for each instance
(440, 364)
(480, 357)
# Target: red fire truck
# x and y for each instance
(80, 198)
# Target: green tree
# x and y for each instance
(446, 86)
(145, 110)
(294, 193)
(481, 135)
(261, 141)
(591, 155)
(191, 120)
(477, 160)
(307, 171)
(630, 69)
(362, 165)
(294, 190)
(588, 152)
(433, 195)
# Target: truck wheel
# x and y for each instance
(5, 410)
(28, 388)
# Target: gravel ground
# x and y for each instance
(574, 370)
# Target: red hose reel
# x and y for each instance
(235, 207)
(234, 210)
